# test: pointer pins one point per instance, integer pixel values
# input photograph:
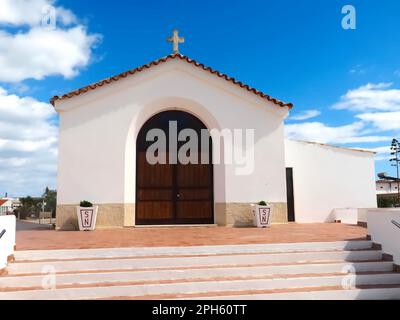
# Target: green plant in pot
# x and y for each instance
(86, 204)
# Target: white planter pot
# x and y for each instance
(262, 216)
(87, 218)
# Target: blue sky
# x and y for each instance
(345, 84)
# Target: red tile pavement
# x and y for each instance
(186, 236)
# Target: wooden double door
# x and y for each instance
(172, 192)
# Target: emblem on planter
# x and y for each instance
(87, 216)
(262, 214)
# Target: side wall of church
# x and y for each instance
(327, 178)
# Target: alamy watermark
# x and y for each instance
(195, 148)
(49, 17)
(49, 279)
(349, 280)
(349, 21)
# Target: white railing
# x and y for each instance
(383, 228)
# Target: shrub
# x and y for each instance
(262, 203)
(86, 204)
(387, 202)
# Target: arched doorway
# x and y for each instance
(173, 192)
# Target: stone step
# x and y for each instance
(380, 293)
(196, 261)
(113, 253)
(17, 282)
(216, 287)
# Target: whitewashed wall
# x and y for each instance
(327, 178)
(98, 133)
(384, 232)
(386, 187)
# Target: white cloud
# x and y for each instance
(382, 158)
(28, 144)
(31, 12)
(44, 52)
(371, 97)
(33, 48)
(319, 132)
(377, 114)
(39, 51)
(383, 121)
(358, 69)
(382, 150)
(305, 115)
(383, 153)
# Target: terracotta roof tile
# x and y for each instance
(163, 60)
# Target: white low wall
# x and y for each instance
(351, 215)
(347, 216)
(7, 242)
(384, 232)
(362, 214)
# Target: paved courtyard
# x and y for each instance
(40, 239)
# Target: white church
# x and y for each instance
(103, 138)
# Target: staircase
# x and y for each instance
(328, 270)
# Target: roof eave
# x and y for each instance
(125, 74)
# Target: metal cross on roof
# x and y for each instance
(176, 40)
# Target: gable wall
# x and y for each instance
(98, 133)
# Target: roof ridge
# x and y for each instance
(164, 59)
